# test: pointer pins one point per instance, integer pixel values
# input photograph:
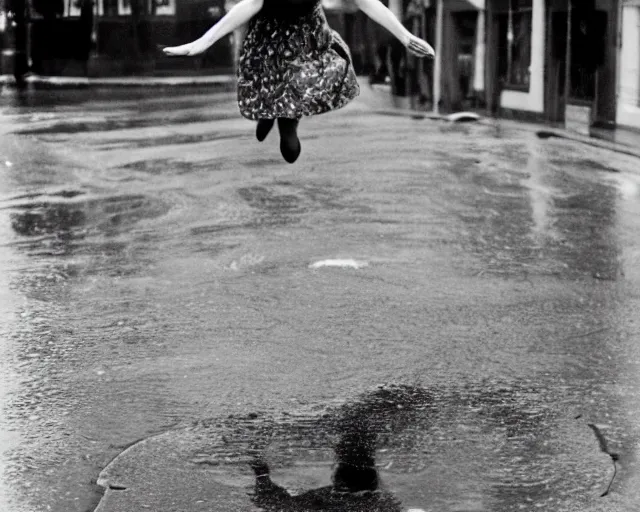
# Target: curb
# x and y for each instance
(590, 141)
(220, 82)
(546, 132)
(541, 130)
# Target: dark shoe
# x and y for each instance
(290, 146)
(263, 128)
(259, 467)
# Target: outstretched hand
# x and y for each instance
(419, 47)
(195, 48)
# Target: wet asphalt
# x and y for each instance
(444, 314)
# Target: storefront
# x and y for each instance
(460, 48)
(582, 61)
(530, 42)
(515, 55)
(628, 113)
(115, 37)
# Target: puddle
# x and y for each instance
(85, 226)
(123, 123)
(169, 140)
(485, 448)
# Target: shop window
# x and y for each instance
(72, 7)
(514, 19)
(588, 41)
(159, 7)
(110, 7)
(47, 9)
(164, 7)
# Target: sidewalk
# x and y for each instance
(620, 140)
(221, 82)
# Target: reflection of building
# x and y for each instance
(530, 42)
(629, 67)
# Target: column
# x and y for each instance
(437, 67)
(478, 67)
(629, 61)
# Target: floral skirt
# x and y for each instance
(294, 66)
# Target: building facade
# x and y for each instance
(554, 60)
(628, 111)
(515, 51)
(115, 37)
(459, 42)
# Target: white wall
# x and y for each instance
(629, 85)
(532, 101)
(478, 68)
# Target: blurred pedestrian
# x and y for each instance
(292, 64)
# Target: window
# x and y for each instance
(514, 32)
(588, 41)
(72, 7)
(110, 7)
(164, 7)
(159, 7)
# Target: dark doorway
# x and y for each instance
(556, 64)
(459, 37)
(591, 53)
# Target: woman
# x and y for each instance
(292, 64)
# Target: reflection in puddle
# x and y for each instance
(54, 228)
(545, 215)
(490, 447)
(539, 194)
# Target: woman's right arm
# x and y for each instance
(237, 16)
(375, 10)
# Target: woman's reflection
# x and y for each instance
(356, 483)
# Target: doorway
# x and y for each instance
(582, 34)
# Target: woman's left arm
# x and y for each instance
(384, 17)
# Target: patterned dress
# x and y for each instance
(293, 64)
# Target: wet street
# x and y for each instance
(455, 305)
